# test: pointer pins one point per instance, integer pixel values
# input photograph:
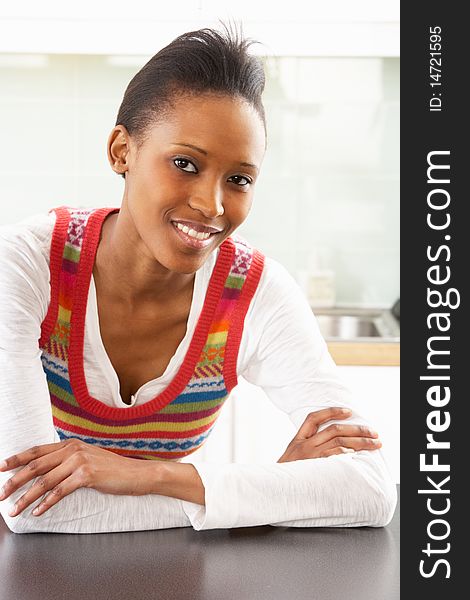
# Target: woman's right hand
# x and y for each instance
(334, 439)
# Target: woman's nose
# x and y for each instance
(208, 199)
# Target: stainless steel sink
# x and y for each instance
(357, 324)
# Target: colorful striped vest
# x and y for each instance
(178, 420)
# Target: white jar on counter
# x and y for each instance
(318, 287)
(317, 280)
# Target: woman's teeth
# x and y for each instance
(199, 235)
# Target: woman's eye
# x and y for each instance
(240, 180)
(185, 165)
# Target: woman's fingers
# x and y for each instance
(305, 444)
(66, 487)
(37, 467)
(332, 440)
(353, 443)
(314, 419)
(51, 482)
(23, 458)
(339, 430)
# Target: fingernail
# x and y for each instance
(374, 433)
(12, 512)
(346, 410)
(3, 464)
(36, 510)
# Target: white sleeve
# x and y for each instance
(291, 363)
(26, 415)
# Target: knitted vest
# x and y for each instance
(179, 419)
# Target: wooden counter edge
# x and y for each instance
(365, 353)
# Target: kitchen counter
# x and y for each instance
(360, 336)
(371, 353)
(240, 564)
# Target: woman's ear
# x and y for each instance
(118, 149)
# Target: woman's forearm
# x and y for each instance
(348, 490)
(177, 480)
(89, 511)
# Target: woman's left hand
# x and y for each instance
(63, 467)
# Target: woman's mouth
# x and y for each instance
(192, 238)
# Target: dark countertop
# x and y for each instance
(250, 563)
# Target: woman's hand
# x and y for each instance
(63, 467)
(335, 439)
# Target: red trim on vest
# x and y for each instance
(180, 381)
(59, 237)
(236, 326)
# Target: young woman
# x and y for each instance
(123, 331)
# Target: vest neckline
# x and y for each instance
(95, 341)
(182, 377)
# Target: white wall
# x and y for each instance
(330, 178)
(296, 28)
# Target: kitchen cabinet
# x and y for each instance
(252, 430)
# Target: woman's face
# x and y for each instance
(195, 174)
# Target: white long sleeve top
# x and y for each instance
(281, 350)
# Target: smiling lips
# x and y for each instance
(194, 234)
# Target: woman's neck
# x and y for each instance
(125, 274)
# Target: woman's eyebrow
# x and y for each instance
(193, 147)
(243, 164)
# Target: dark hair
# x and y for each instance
(198, 61)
